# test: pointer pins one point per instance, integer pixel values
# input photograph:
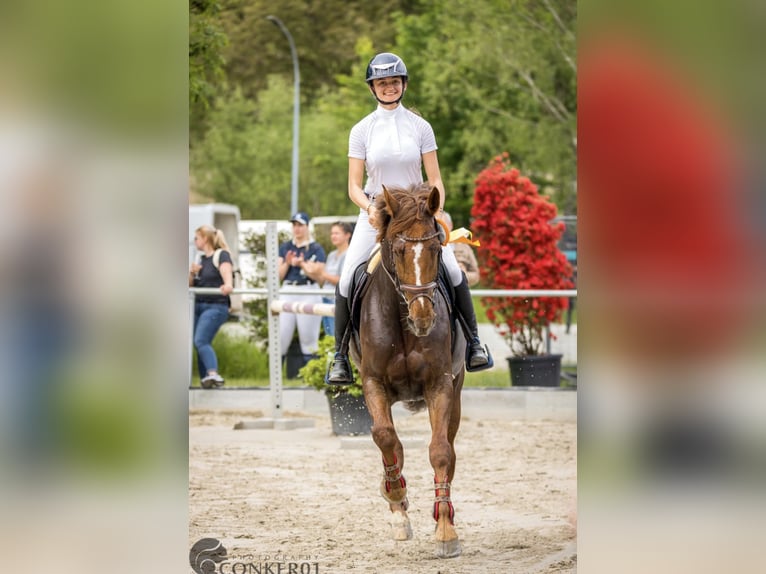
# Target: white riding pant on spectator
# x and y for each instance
(362, 243)
(308, 325)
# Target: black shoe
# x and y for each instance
(339, 372)
(478, 357)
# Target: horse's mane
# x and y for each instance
(413, 207)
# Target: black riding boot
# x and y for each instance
(477, 356)
(339, 372)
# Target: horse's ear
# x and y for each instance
(391, 202)
(433, 201)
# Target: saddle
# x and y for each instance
(360, 283)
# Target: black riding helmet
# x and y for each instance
(386, 65)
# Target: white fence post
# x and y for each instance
(275, 352)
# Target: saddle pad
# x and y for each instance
(374, 259)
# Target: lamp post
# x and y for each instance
(296, 111)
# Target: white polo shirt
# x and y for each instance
(391, 143)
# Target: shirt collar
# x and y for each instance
(384, 113)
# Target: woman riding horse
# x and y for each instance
(393, 145)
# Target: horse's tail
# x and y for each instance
(415, 406)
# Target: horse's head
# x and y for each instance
(408, 232)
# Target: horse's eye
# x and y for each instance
(399, 247)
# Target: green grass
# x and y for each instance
(478, 308)
(249, 383)
(238, 358)
(478, 380)
(472, 380)
(487, 379)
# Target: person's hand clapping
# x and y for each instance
(292, 259)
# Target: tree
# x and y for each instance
(245, 156)
(487, 75)
(490, 77)
(325, 33)
(206, 63)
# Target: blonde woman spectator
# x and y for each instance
(210, 311)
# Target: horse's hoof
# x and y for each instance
(402, 533)
(448, 548)
(400, 527)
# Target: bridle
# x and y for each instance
(404, 290)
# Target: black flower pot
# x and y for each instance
(349, 414)
(535, 370)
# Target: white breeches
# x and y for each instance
(361, 245)
(308, 325)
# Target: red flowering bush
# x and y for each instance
(518, 251)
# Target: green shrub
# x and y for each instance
(313, 372)
(238, 358)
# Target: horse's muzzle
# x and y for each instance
(421, 327)
(421, 315)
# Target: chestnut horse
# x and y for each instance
(405, 352)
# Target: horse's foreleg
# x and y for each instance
(442, 457)
(393, 487)
(447, 540)
(454, 421)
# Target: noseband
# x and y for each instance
(404, 289)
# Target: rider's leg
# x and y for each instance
(358, 250)
(339, 372)
(477, 355)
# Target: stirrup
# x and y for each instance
(339, 372)
(469, 352)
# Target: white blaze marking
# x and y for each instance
(418, 250)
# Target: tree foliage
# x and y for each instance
(206, 62)
(497, 77)
(242, 159)
(488, 75)
(324, 31)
